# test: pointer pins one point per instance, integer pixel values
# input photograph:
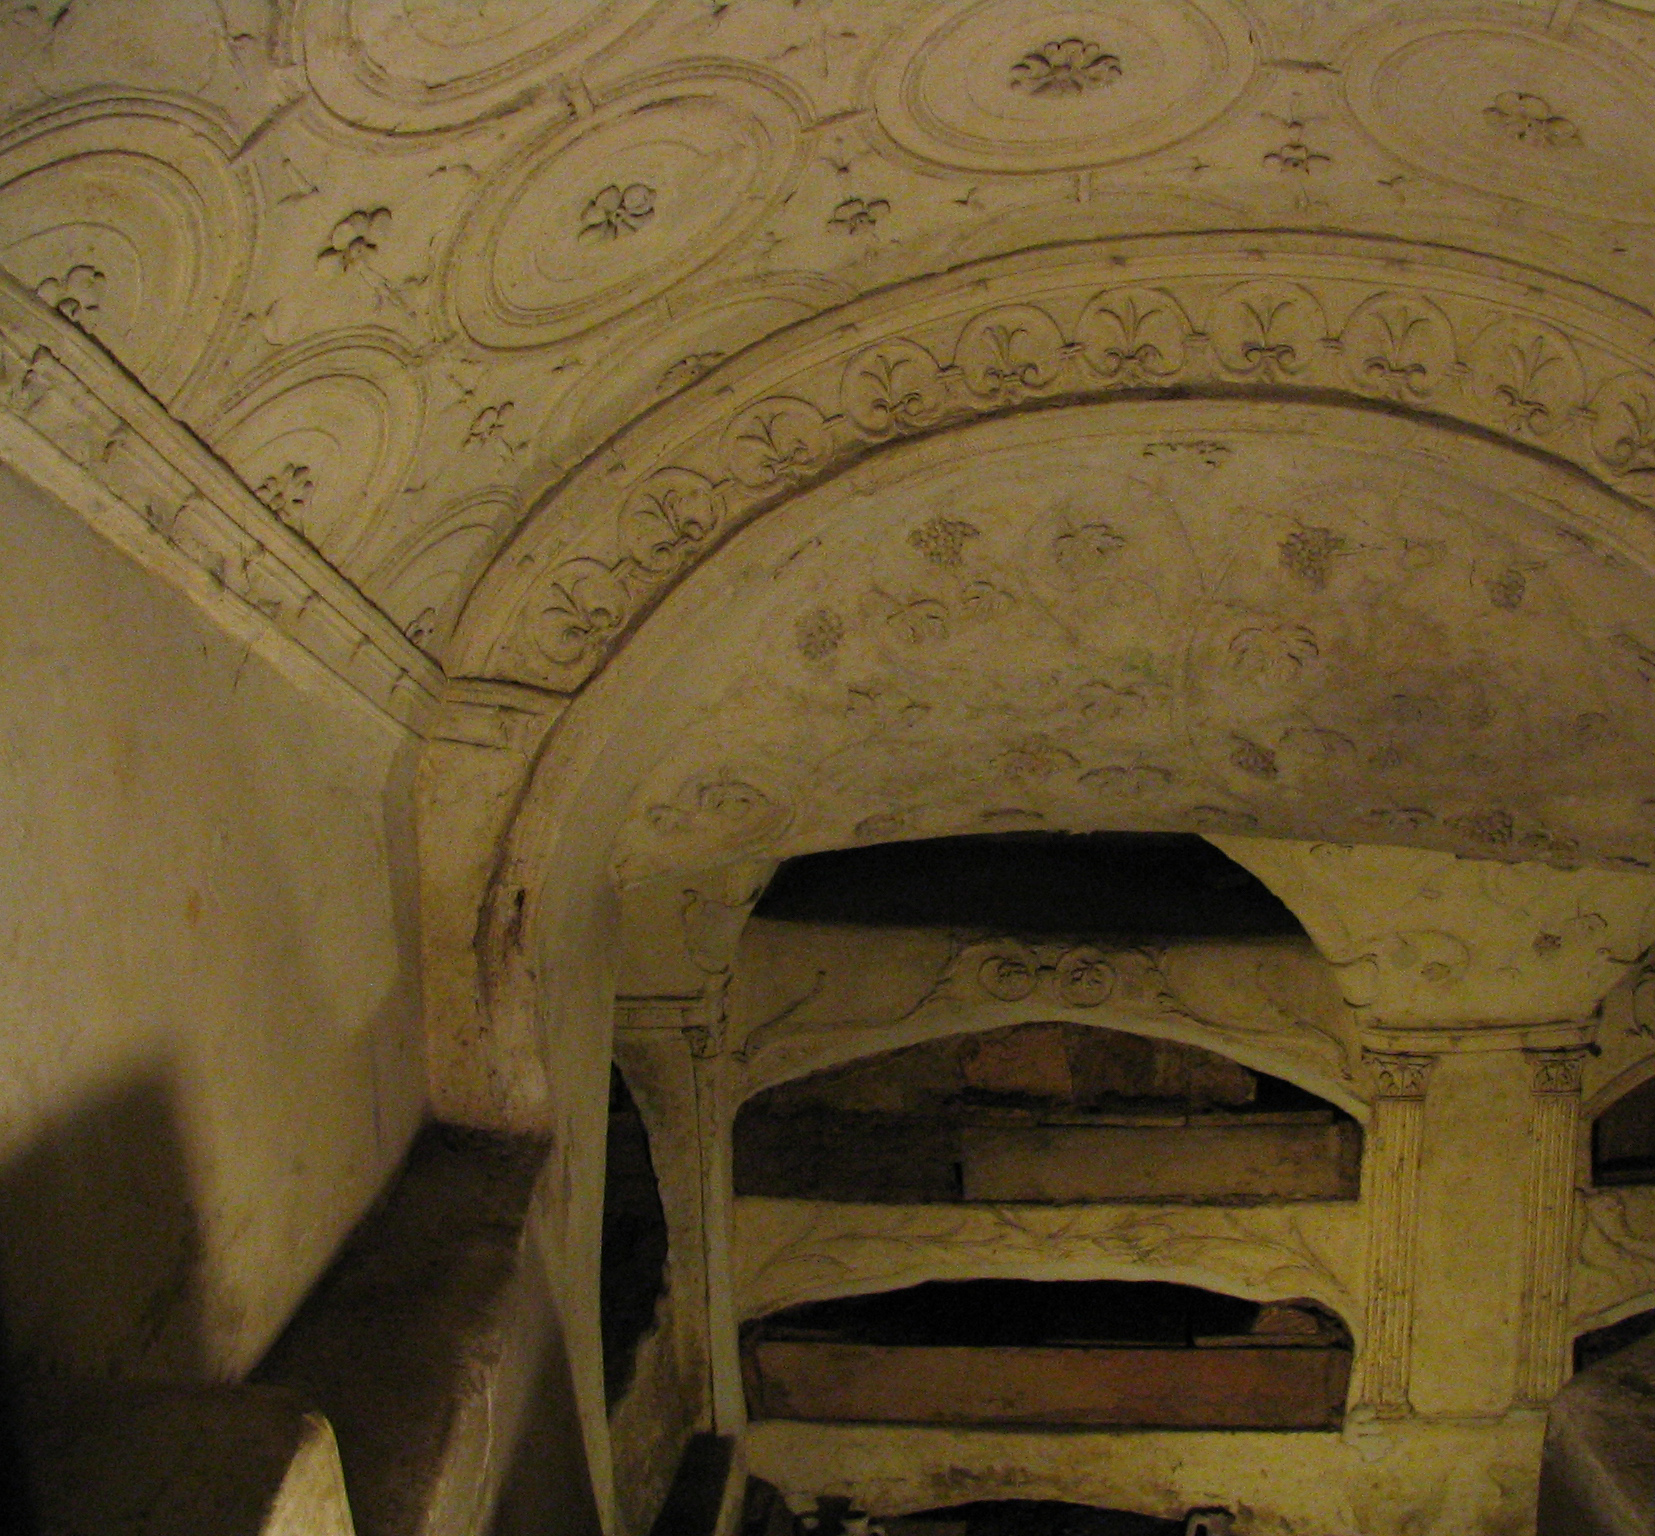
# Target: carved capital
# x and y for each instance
(1557, 1071)
(1396, 1075)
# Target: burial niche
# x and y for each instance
(1100, 1353)
(1623, 1139)
(632, 1276)
(1045, 1112)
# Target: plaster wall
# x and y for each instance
(210, 1056)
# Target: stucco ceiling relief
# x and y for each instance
(1044, 85)
(1505, 107)
(1469, 349)
(126, 217)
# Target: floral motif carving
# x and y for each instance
(1083, 552)
(667, 518)
(779, 442)
(1308, 554)
(1268, 331)
(1133, 336)
(615, 211)
(818, 633)
(1010, 352)
(1557, 1071)
(287, 492)
(355, 238)
(1623, 424)
(1069, 67)
(1529, 119)
(920, 622)
(1272, 651)
(77, 295)
(1519, 375)
(1401, 345)
(854, 213)
(1531, 377)
(893, 387)
(488, 424)
(1293, 155)
(1082, 977)
(586, 605)
(1008, 977)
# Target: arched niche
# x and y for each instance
(1623, 1136)
(1386, 629)
(1078, 1353)
(1045, 1113)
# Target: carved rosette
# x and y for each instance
(1043, 85)
(597, 215)
(1549, 1208)
(1456, 103)
(1472, 351)
(1391, 1189)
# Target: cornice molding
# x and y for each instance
(73, 421)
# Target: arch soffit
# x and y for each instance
(1512, 352)
(1311, 1059)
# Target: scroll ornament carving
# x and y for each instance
(1082, 978)
(826, 1250)
(1615, 1254)
(1441, 351)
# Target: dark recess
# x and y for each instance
(1126, 885)
(1601, 1343)
(1022, 1313)
(634, 1264)
(1623, 1139)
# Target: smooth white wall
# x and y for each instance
(210, 1043)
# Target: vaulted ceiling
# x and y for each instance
(1186, 413)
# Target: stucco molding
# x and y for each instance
(74, 421)
(1463, 341)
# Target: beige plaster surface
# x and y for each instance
(210, 992)
(836, 422)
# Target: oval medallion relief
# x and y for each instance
(608, 212)
(1513, 113)
(413, 66)
(1050, 85)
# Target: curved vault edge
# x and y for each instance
(1463, 341)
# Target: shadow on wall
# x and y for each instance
(100, 1261)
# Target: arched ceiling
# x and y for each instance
(1301, 620)
(406, 264)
